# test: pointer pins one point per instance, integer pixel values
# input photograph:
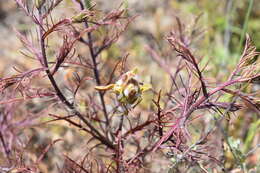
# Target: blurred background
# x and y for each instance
(221, 26)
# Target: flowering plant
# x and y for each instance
(128, 88)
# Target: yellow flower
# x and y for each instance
(128, 89)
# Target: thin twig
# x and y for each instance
(95, 68)
(60, 95)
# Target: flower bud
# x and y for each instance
(39, 3)
(81, 17)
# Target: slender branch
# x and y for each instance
(186, 114)
(60, 95)
(94, 61)
(202, 99)
(7, 151)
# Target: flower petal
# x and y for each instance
(105, 88)
(145, 87)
